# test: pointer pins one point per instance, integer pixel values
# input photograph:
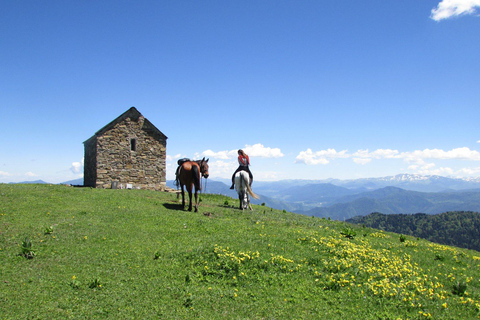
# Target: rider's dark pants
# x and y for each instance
(244, 168)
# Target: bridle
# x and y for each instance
(202, 171)
(205, 185)
(206, 179)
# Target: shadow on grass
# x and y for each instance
(173, 206)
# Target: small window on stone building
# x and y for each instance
(133, 144)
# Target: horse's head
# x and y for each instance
(204, 167)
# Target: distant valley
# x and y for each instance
(344, 199)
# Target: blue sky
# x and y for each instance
(309, 89)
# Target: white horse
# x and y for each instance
(242, 185)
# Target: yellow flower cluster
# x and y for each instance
(238, 258)
(241, 258)
(469, 301)
(439, 247)
(279, 260)
(379, 235)
(378, 271)
(409, 243)
(425, 314)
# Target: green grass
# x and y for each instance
(133, 254)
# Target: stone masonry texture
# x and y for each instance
(129, 151)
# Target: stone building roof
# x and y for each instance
(131, 113)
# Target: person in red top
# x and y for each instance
(243, 162)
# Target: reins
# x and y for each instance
(205, 185)
(201, 178)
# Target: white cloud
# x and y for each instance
(320, 157)
(5, 174)
(431, 169)
(385, 154)
(469, 171)
(453, 8)
(428, 166)
(364, 156)
(361, 160)
(77, 167)
(377, 154)
(31, 174)
(456, 154)
(413, 167)
(224, 155)
(266, 176)
(257, 150)
(222, 169)
(175, 157)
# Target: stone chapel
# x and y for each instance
(129, 152)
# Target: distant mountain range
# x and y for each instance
(344, 199)
(76, 182)
(413, 182)
(31, 182)
(392, 200)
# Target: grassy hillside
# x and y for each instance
(134, 254)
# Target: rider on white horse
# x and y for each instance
(243, 162)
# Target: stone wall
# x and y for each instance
(131, 153)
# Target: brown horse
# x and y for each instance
(189, 174)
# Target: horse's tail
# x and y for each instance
(196, 177)
(249, 190)
(177, 183)
(177, 175)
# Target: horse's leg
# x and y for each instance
(244, 202)
(183, 197)
(196, 199)
(189, 189)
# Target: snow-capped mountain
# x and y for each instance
(414, 182)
